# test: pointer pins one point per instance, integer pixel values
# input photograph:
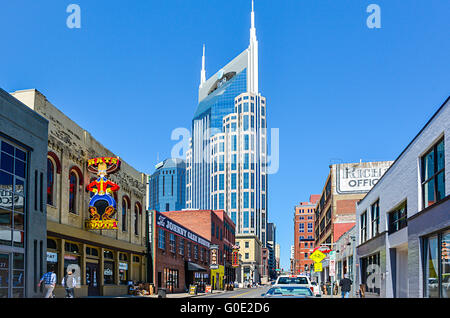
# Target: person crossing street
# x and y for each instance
(49, 280)
(69, 282)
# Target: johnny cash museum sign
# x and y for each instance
(169, 225)
(359, 177)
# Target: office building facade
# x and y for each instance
(23, 213)
(167, 186)
(226, 162)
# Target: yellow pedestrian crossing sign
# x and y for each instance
(317, 256)
(317, 267)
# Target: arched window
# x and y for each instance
(50, 181)
(73, 180)
(137, 213)
(124, 214)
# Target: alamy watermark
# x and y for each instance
(74, 19)
(374, 19)
(269, 160)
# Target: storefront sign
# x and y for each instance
(102, 205)
(192, 289)
(101, 225)
(359, 178)
(123, 266)
(52, 257)
(167, 224)
(235, 257)
(213, 259)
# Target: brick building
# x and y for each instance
(179, 256)
(304, 233)
(217, 227)
(335, 213)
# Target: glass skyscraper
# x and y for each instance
(226, 161)
(167, 186)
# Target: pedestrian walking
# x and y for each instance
(49, 280)
(69, 283)
(345, 285)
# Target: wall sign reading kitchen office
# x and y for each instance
(359, 177)
(165, 223)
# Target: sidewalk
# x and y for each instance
(181, 295)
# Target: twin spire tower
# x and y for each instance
(252, 58)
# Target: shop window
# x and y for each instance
(123, 257)
(108, 254)
(51, 244)
(108, 272)
(370, 273)
(71, 248)
(136, 259)
(72, 262)
(91, 251)
(123, 272)
(436, 265)
(13, 168)
(171, 279)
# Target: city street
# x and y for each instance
(239, 293)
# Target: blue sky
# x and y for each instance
(336, 89)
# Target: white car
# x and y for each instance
(298, 280)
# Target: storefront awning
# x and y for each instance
(195, 268)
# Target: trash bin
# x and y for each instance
(161, 293)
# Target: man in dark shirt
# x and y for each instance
(345, 285)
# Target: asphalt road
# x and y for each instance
(240, 293)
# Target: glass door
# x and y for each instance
(92, 277)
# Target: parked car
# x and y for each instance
(288, 291)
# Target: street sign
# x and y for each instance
(333, 263)
(317, 256)
(317, 267)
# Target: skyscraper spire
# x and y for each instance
(252, 79)
(203, 71)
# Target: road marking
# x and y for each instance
(241, 294)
